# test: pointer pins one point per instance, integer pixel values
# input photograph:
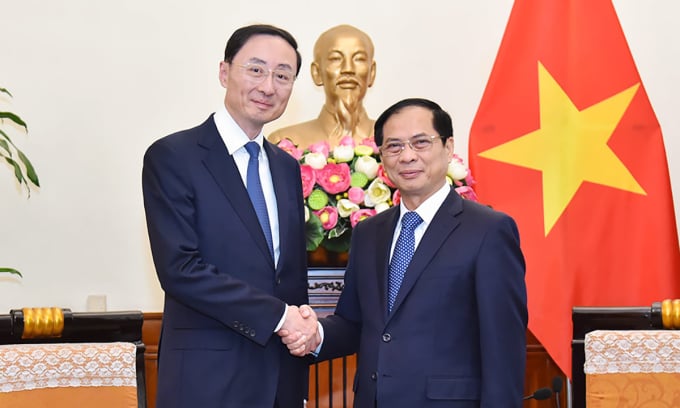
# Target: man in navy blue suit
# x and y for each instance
(434, 299)
(225, 218)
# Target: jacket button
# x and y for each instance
(374, 376)
(252, 332)
(386, 337)
(278, 281)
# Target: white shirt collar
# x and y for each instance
(233, 136)
(429, 207)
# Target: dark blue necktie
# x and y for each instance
(254, 187)
(403, 252)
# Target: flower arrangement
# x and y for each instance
(348, 184)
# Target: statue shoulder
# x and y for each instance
(302, 134)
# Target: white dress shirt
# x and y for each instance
(426, 211)
(235, 139)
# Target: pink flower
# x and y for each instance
(360, 215)
(320, 147)
(466, 192)
(371, 143)
(334, 178)
(287, 146)
(346, 141)
(469, 180)
(308, 179)
(328, 216)
(396, 197)
(356, 195)
(383, 176)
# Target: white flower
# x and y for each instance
(343, 153)
(306, 213)
(376, 193)
(457, 170)
(315, 160)
(346, 207)
(367, 165)
(381, 207)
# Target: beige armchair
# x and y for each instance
(51, 357)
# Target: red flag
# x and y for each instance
(565, 140)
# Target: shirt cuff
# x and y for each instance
(316, 352)
(283, 319)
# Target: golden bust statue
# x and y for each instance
(343, 64)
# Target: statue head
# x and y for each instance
(344, 65)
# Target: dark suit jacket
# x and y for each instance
(223, 296)
(456, 334)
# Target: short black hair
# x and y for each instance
(441, 120)
(243, 34)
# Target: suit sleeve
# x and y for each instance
(342, 329)
(502, 306)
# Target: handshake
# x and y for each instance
(300, 330)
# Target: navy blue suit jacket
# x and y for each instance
(456, 336)
(223, 295)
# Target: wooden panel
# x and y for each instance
(151, 332)
(541, 370)
(330, 383)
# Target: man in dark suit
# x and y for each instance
(225, 219)
(447, 326)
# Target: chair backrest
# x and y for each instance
(48, 352)
(660, 316)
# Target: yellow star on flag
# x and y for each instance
(570, 146)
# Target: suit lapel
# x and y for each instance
(280, 179)
(222, 167)
(385, 232)
(442, 225)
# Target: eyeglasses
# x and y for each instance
(418, 143)
(258, 72)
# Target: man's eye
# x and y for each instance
(283, 76)
(393, 146)
(421, 143)
(256, 70)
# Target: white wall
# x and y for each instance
(98, 82)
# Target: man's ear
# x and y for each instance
(224, 73)
(316, 74)
(372, 79)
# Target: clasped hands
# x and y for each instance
(300, 330)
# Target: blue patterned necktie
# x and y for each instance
(254, 187)
(403, 252)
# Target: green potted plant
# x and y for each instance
(18, 162)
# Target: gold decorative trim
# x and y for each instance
(42, 322)
(670, 313)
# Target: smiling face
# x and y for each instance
(252, 103)
(418, 175)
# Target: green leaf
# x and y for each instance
(30, 171)
(5, 146)
(313, 232)
(340, 244)
(14, 118)
(337, 231)
(10, 270)
(17, 170)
